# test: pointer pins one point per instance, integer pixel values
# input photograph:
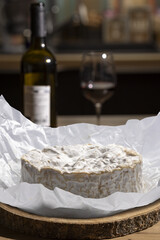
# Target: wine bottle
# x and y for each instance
(38, 71)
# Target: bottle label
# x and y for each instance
(37, 104)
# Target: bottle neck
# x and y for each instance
(38, 42)
(38, 26)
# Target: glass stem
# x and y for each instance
(98, 107)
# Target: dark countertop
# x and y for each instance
(148, 62)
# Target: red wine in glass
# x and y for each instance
(98, 78)
(98, 92)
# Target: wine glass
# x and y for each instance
(98, 78)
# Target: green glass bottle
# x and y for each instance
(38, 70)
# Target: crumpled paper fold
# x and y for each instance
(19, 135)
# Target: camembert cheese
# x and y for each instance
(89, 170)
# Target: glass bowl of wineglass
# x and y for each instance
(98, 78)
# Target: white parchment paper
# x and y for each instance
(19, 135)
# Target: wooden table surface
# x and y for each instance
(110, 120)
(125, 62)
(152, 233)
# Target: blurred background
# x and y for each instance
(128, 28)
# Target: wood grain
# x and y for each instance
(152, 233)
(100, 228)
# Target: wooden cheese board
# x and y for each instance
(100, 228)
